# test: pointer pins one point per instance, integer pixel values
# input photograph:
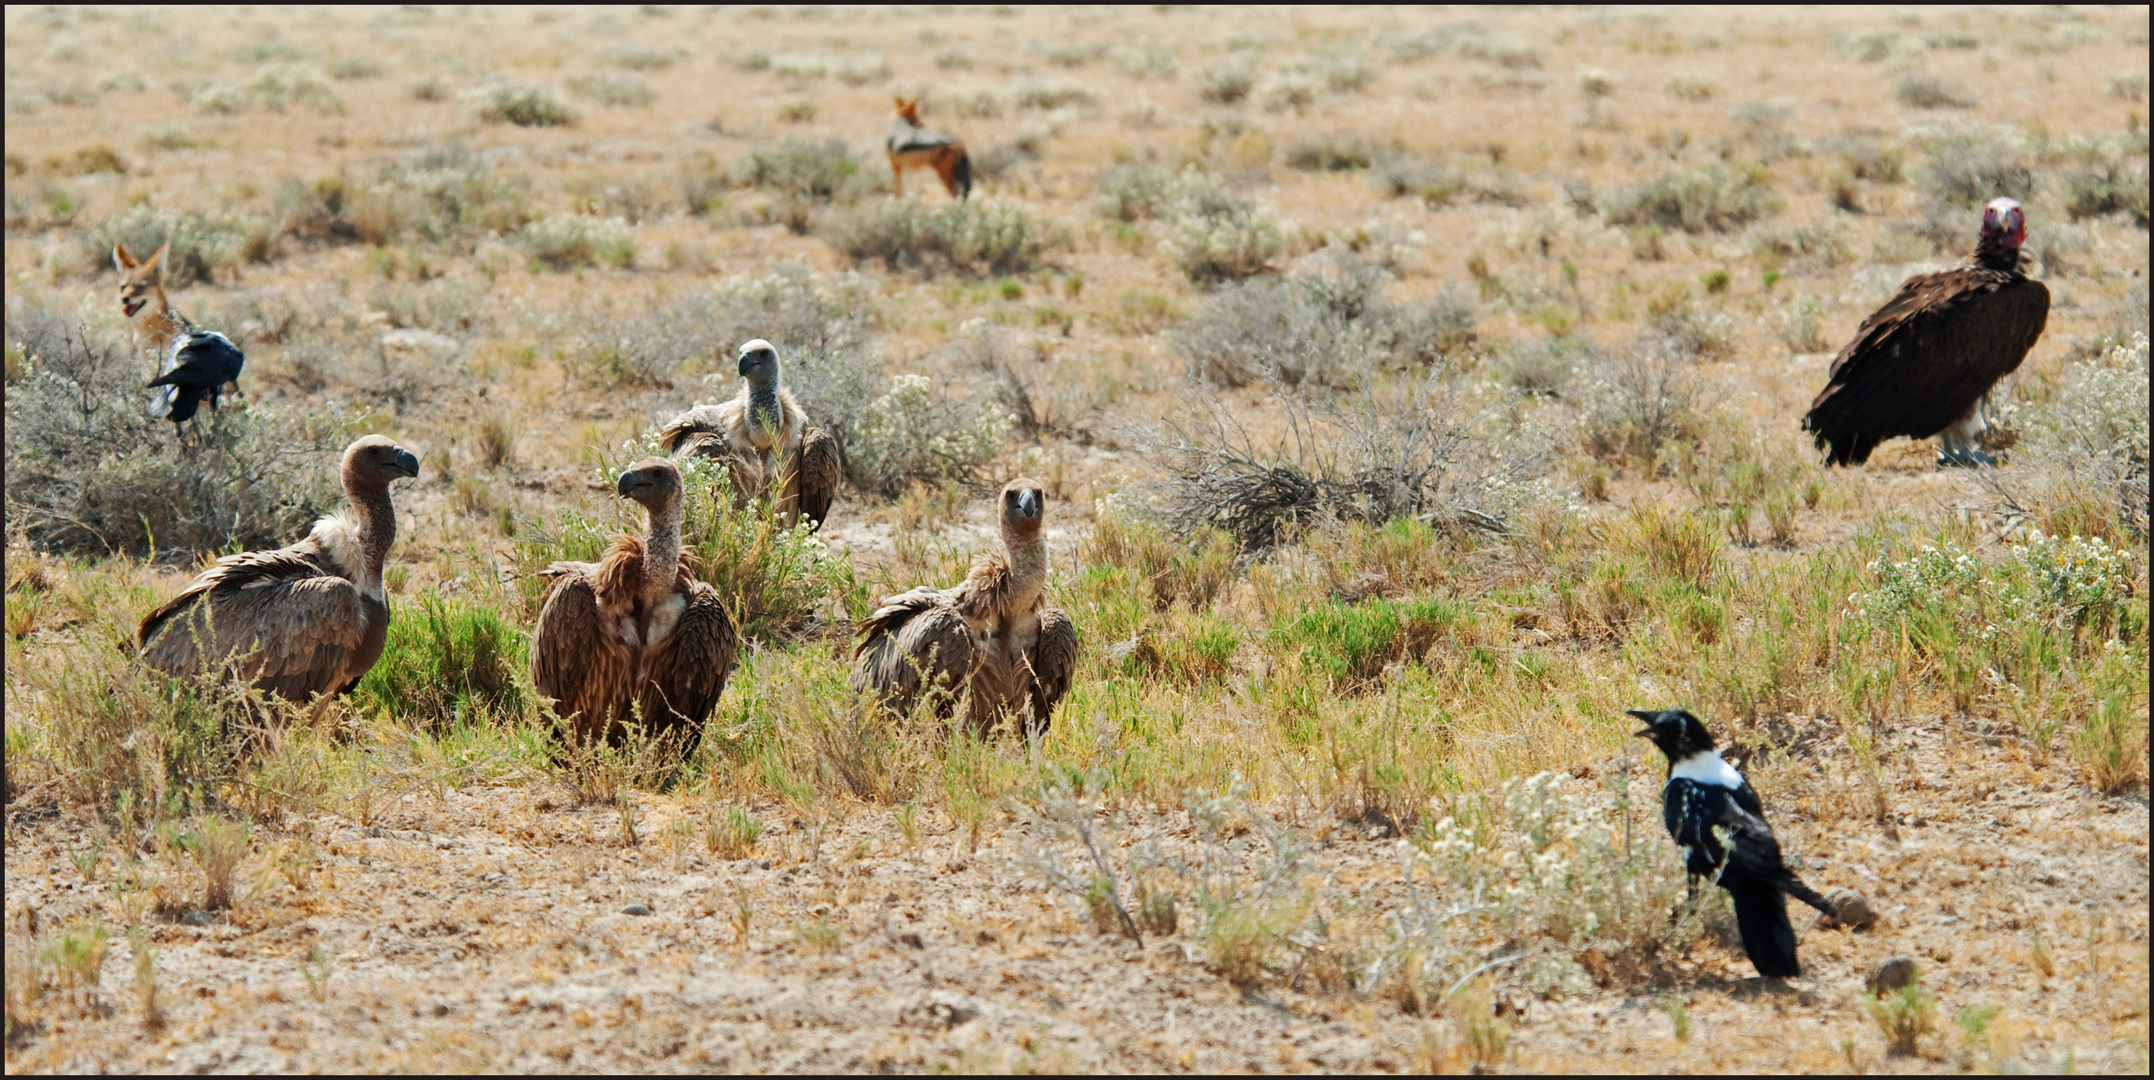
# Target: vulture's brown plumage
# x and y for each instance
(1923, 364)
(991, 635)
(764, 440)
(635, 633)
(299, 621)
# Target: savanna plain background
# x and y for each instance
(1414, 391)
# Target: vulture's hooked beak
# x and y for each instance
(1028, 504)
(407, 461)
(753, 355)
(630, 481)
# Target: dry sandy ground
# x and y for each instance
(488, 931)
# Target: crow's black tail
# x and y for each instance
(962, 173)
(1793, 886)
(1761, 915)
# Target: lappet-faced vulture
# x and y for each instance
(992, 635)
(1923, 364)
(299, 621)
(635, 635)
(201, 362)
(765, 441)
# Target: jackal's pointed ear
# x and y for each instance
(158, 259)
(123, 260)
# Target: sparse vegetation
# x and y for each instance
(1712, 199)
(1386, 462)
(974, 237)
(521, 105)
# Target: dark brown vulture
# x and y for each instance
(992, 634)
(765, 440)
(301, 621)
(1924, 363)
(635, 634)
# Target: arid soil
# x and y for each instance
(487, 931)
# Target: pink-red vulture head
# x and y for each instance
(2004, 220)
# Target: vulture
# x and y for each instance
(765, 441)
(1923, 364)
(200, 363)
(302, 622)
(634, 638)
(991, 635)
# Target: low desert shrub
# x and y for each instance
(1412, 447)
(280, 87)
(447, 660)
(1640, 398)
(1227, 82)
(1434, 183)
(1716, 198)
(617, 89)
(203, 245)
(90, 470)
(571, 240)
(1334, 152)
(1330, 324)
(1963, 168)
(521, 105)
(1921, 90)
(445, 194)
(803, 175)
(917, 433)
(1132, 193)
(1217, 235)
(976, 237)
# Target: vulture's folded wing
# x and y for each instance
(819, 472)
(1054, 663)
(689, 670)
(1924, 359)
(291, 625)
(572, 661)
(701, 420)
(914, 641)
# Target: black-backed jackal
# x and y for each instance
(913, 146)
(142, 297)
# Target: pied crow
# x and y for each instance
(1716, 818)
(201, 362)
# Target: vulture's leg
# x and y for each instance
(1956, 443)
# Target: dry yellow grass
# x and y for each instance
(1247, 740)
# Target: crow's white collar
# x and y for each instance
(1707, 767)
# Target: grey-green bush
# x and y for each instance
(89, 470)
(976, 236)
(1331, 324)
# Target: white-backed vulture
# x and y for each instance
(796, 466)
(991, 635)
(299, 621)
(635, 633)
(1923, 364)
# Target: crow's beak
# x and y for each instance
(408, 462)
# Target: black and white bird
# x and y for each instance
(201, 363)
(1716, 818)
